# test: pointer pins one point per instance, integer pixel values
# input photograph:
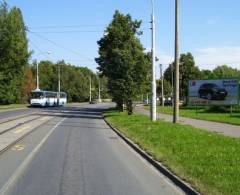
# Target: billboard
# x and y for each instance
(213, 92)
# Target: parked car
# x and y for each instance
(94, 101)
(168, 102)
(211, 91)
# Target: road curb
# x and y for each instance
(160, 167)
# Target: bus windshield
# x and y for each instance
(36, 95)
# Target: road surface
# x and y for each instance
(72, 151)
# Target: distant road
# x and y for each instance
(77, 153)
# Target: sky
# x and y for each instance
(70, 29)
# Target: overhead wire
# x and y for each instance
(60, 46)
(40, 50)
(62, 32)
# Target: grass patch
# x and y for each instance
(203, 114)
(208, 161)
(12, 106)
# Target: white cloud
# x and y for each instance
(209, 58)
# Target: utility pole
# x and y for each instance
(37, 88)
(176, 81)
(90, 89)
(172, 79)
(99, 90)
(162, 90)
(153, 103)
(59, 84)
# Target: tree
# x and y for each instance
(122, 60)
(225, 72)
(13, 53)
(188, 71)
(27, 86)
(169, 76)
(167, 88)
(206, 74)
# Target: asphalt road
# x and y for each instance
(77, 153)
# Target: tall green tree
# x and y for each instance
(14, 53)
(167, 88)
(122, 59)
(225, 72)
(188, 70)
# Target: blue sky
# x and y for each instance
(69, 29)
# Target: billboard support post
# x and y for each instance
(196, 108)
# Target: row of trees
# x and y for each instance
(14, 54)
(74, 80)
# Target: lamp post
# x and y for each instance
(59, 85)
(37, 88)
(176, 81)
(153, 102)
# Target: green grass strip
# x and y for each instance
(203, 114)
(208, 161)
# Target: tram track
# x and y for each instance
(10, 143)
(19, 124)
(9, 119)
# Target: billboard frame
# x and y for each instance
(238, 93)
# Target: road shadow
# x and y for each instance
(75, 112)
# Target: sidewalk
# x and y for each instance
(221, 128)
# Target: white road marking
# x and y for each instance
(18, 147)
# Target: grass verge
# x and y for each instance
(12, 106)
(203, 114)
(208, 161)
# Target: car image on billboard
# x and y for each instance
(213, 92)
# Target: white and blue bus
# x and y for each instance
(48, 98)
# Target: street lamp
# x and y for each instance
(153, 103)
(176, 81)
(37, 88)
